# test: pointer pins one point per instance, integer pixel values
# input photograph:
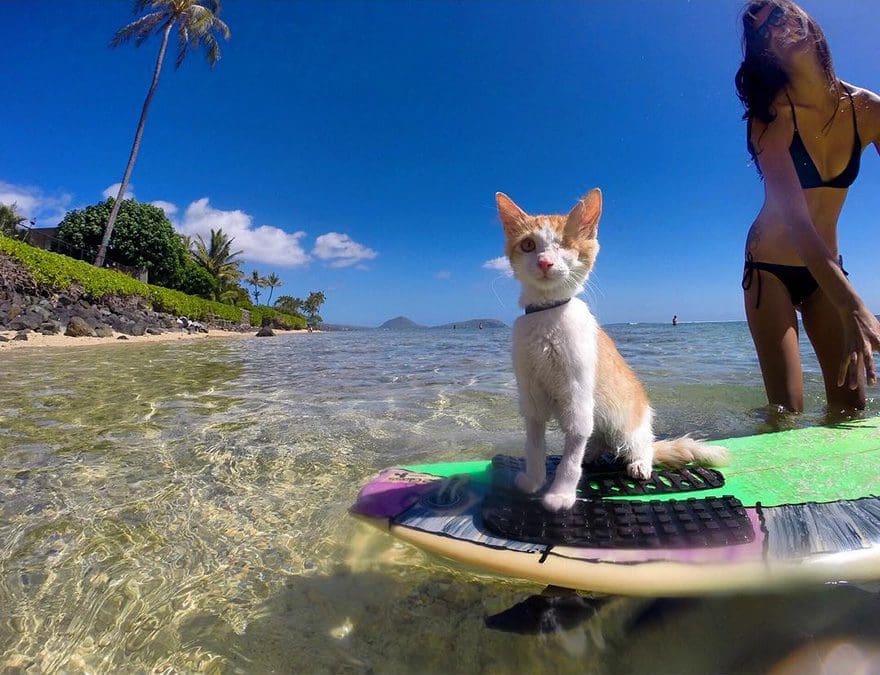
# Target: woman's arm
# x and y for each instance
(785, 202)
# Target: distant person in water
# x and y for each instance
(806, 130)
(675, 320)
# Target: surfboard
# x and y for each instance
(793, 508)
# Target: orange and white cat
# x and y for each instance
(567, 367)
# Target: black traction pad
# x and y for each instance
(607, 523)
(606, 478)
(675, 523)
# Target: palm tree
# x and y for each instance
(216, 257)
(273, 282)
(197, 23)
(257, 282)
(288, 304)
(11, 219)
(312, 304)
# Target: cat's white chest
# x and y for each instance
(554, 348)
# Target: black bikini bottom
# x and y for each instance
(797, 279)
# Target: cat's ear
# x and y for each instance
(583, 220)
(512, 217)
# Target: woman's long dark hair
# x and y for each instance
(760, 78)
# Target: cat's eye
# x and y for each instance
(527, 245)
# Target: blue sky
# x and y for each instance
(355, 147)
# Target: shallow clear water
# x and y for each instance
(182, 507)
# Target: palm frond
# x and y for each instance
(212, 51)
(138, 30)
(182, 44)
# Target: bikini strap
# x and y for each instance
(793, 116)
(852, 106)
(749, 270)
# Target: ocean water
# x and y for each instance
(183, 507)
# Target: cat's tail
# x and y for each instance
(676, 452)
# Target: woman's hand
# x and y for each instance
(861, 333)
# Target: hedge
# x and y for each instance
(59, 273)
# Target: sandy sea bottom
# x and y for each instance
(182, 507)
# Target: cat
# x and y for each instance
(567, 367)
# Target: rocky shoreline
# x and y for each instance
(27, 308)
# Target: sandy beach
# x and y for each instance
(38, 340)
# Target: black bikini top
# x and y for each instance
(806, 168)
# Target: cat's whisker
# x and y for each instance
(593, 290)
(492, 286)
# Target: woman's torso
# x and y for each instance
(831, 148)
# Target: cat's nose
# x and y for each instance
(545, 264)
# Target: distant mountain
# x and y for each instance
(400, 323)
(475, 323)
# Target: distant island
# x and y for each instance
(404, 323)
(400, 323)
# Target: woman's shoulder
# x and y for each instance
(865, 100)
(867, 105)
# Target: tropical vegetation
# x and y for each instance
(10, 220)
(308, 307)
(198, 25)
(144, 239)
(256, 282)
(223, 264)
(272, 282)
(59, 272)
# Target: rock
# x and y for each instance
(29, 321)
(21, 335)
(77, 327)
(154, 331)
(50, 327)
(265, 331)
(139, 328)
(3, 338)
(40, 310)
(122, 337)
(103, 330)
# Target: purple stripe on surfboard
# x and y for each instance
(392, 492)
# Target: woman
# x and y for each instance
(806, 133)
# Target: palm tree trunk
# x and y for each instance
(136, 146)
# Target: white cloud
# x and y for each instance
(340, 250)
(499, 264)
(33, 203)
(113, 190)
(263, 244)
(169, 208)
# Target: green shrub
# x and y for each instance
(196, 280)
(261, 314)
(143, 237)
(59, 273)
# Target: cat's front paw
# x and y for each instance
(640, 469)
(558, 501)
(527, 484)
